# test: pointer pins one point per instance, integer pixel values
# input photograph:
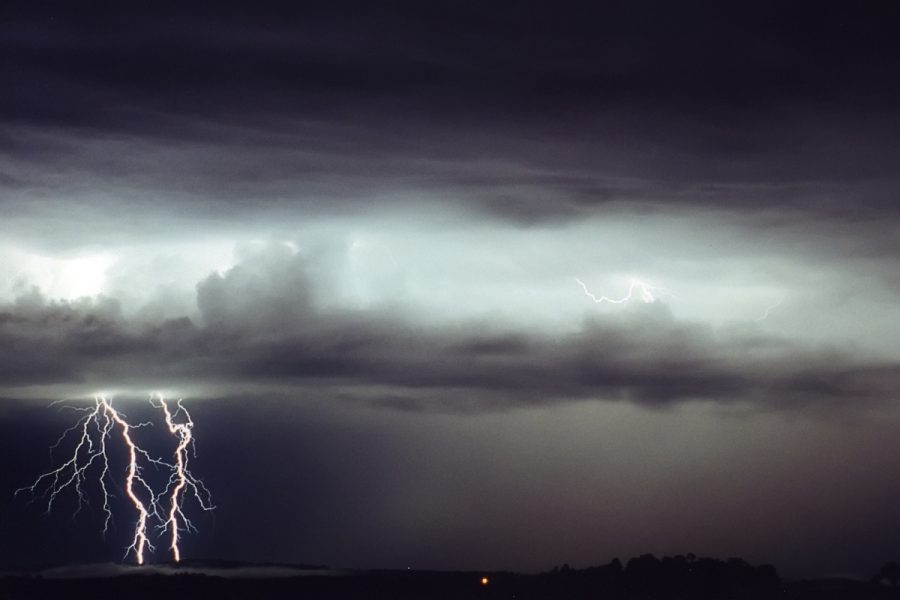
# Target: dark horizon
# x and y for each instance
(700, 578)
(369, 245)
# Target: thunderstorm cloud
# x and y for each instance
(263, 322)
(352, 234)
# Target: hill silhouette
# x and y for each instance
(644, 577)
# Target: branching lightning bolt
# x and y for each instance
(140, 540)
(94, 431)
(647, 293)
(182, 479)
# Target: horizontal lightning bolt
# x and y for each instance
(647, 293)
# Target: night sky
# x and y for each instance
(348, 235)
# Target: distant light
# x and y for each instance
(485, 581)
(66, 278)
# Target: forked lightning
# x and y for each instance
(647, 293)
(182, 480)
(94, 431)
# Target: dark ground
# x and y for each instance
(643, 578)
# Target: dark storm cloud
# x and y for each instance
(262, 323)
(512, 55)
(782, 118)
(529, 112)
(474, 158)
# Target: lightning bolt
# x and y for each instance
(646, 292)
(140, 540)
(94, 432)
(769, 309)
(182, 479)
